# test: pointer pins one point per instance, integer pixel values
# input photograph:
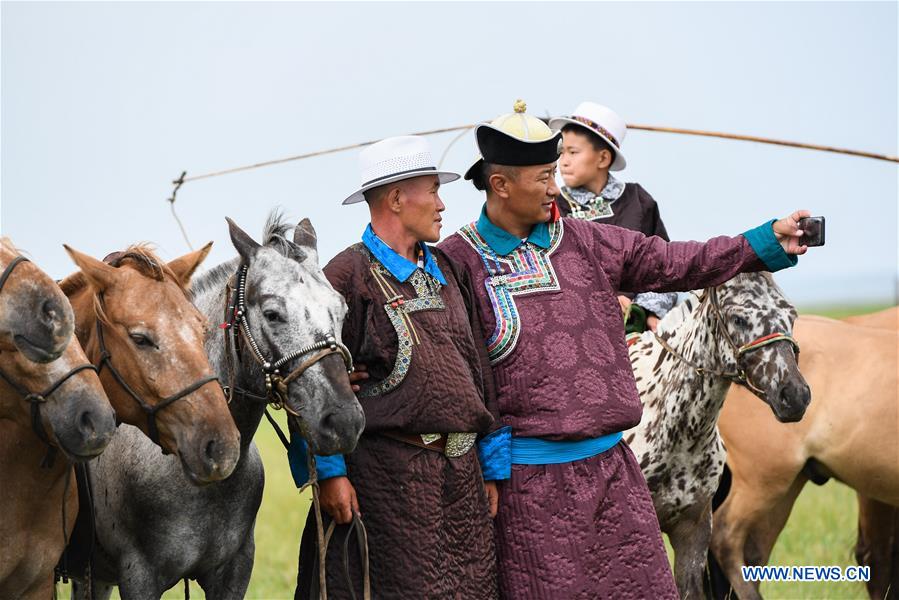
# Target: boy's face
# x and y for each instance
(580, 163)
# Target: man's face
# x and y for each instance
(532, 193)
(421, 207)
(580, 163)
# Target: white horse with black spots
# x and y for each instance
(739, 331)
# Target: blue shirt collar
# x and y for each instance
(399, 266)
(502, 242)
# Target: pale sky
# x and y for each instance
(104, 103)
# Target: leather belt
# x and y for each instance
(452, 445)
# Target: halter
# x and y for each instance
(276, 385)
(739, 377)
(9, 269)
(35, 399)
(150, 410)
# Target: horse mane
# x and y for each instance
(140, 257)
(274, 235)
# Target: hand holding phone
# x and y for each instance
(812, 231)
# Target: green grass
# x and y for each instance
(821, 529)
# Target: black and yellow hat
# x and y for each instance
(515, 139)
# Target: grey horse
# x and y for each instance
(739, 329)
(153, 526)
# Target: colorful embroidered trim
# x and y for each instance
(399, 311)
(527, 269)
(599, 208)
(598, 128)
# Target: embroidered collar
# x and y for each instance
(611, 192)
(502, 242)
(400, 267)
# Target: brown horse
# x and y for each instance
(878, 523)
(35, 317)
(52, 413)
(849, 433)
(136, 322)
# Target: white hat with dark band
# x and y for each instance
(395, 159)
(602, 121)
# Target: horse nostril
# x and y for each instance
(211, 451)
(86, 423)
(49, 311)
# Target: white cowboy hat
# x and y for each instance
(602, 121)
(395, 159)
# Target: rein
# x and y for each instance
(739, 377)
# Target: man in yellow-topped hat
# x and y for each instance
(576, 519)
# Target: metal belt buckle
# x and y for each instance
(457, 444)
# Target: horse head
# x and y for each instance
(290, 325)
(139, 326)
(47, 383)
(35, 317)
(754, 324)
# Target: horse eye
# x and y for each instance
(271, 315)
(741, 322)
(141, 340)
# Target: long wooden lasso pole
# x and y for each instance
(676, 130)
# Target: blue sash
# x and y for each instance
(539, 451)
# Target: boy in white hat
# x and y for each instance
(591, 147)
(575, 518)
(414, 475)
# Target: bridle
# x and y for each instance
(739, 377)
(151, 410)
(276, 384)
(36, 399)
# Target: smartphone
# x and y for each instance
(812, 231)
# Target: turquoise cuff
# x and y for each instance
(768, 249)
(326, 466)
(495, 454)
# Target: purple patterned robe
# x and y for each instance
(555, 336)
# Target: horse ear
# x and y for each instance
(100, 275)
(243, 243)
(184, 266)
(305, 240)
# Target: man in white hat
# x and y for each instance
(592, 136)
(414, 476)
(575, 519)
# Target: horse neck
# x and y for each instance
(209, 297)
(22, 454)
(688, 400)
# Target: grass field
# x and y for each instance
(821, 529)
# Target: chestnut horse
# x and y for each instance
(849, 433)
(52, 413)
(280, 344)
(136, 322)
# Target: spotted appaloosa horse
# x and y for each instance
(682, 376)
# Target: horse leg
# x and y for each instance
(746, 528)
(231, 579)
(690, 540)
(878, 546)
